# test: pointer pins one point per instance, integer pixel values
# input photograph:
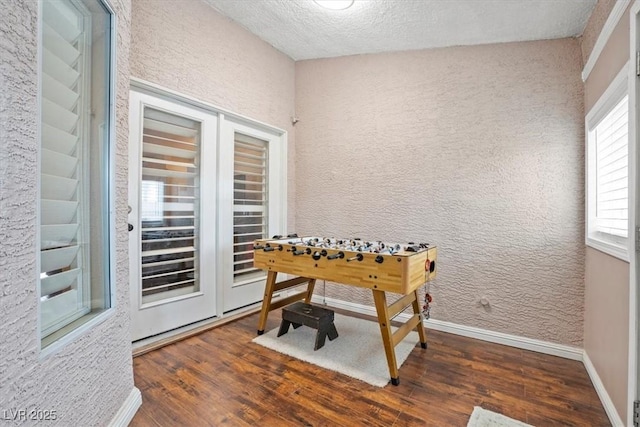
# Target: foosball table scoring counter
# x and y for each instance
(381, 267)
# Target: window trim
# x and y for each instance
(69, 333)
(615, 246)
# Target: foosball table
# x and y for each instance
(379, 266)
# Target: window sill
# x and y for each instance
(614, 249)
(69, 333)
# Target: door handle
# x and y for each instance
(128, 212)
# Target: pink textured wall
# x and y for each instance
(88, 380)
(614, 55)
(194, 50)
(596, 21)
(478, 150)
(606, 323)
(606, 332)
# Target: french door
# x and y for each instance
(251, 208)
(203, 185)
(172, 199)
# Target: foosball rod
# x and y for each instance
(357, 257)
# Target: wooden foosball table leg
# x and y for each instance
(380, 300)
(310, 286)
(391, 339)
(271, 286)
(266, 302)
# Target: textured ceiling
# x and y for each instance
(304, 30)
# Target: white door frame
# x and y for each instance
(634, 210)
(154, 89)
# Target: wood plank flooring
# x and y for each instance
(221, 378)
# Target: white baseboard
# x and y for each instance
(128, 409)
(554, 349)
(609, 407)
(568, 352)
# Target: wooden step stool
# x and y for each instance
(320, 318)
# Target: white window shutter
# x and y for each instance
(61, 259)
(612, 170)
(169, 204)
(250, 202)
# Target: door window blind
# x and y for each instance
(63, 264)
(612, 160)
(169, 205)
(250, 200)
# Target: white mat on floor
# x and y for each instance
(357, 352)
(485, 418)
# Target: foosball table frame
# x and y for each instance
(401, 272)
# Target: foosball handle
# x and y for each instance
(295, 250)
(339, 255)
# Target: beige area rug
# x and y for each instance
(357, 352)
(485, 418)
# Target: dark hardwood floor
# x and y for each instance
(221, 378)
